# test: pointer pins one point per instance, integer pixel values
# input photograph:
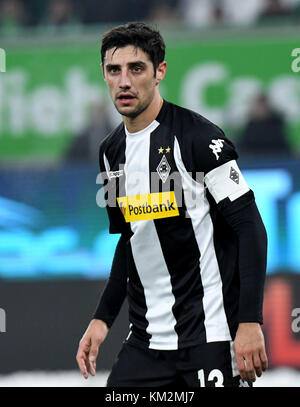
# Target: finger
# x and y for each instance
(93, 356)
(82, 357)
(81, 360)
(241, 366)
(264, 360)
(91, 364)
(249, 367)
(257, 364)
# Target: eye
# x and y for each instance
(137, 68)
(113, 69)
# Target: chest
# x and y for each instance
(145, 164)
(149, 185)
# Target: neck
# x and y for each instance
(146, 117)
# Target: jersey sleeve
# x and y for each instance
(116, 219)
(115, 290)
(216, 157)
(211, 148)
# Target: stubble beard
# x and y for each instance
(141, 107)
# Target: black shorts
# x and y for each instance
(206, 365)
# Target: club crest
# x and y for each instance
(163, 169)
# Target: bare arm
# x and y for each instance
(107, 310)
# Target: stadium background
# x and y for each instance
(55, 253)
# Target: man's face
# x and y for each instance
(129, 75)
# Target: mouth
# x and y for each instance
(126, 98)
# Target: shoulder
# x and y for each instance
(112, 140)
(195, 127)
(203, 144)
(110, 145)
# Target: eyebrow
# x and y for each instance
(130, 64)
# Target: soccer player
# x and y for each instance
(191, 258)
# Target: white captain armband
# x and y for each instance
(226, 181)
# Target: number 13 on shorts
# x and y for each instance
(213, 374)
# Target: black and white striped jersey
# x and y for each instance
(171, 186)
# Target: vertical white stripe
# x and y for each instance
(235, 371)
(215, 322)
(146, 248)
(106, 164)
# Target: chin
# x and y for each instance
(128, 111)
(130, 114)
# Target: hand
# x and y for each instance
(249, 349)
(89, 346)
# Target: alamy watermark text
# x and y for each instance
(296, 60)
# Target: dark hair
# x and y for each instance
(138, 34)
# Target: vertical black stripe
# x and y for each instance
(136, 297)
(179, 247)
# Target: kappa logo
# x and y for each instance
(163, 169)
(234, 175)
(216, 147)
(115, 174)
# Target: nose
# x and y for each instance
(124, 80)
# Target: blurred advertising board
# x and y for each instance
(47, 90)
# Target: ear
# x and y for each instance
(161, 71)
